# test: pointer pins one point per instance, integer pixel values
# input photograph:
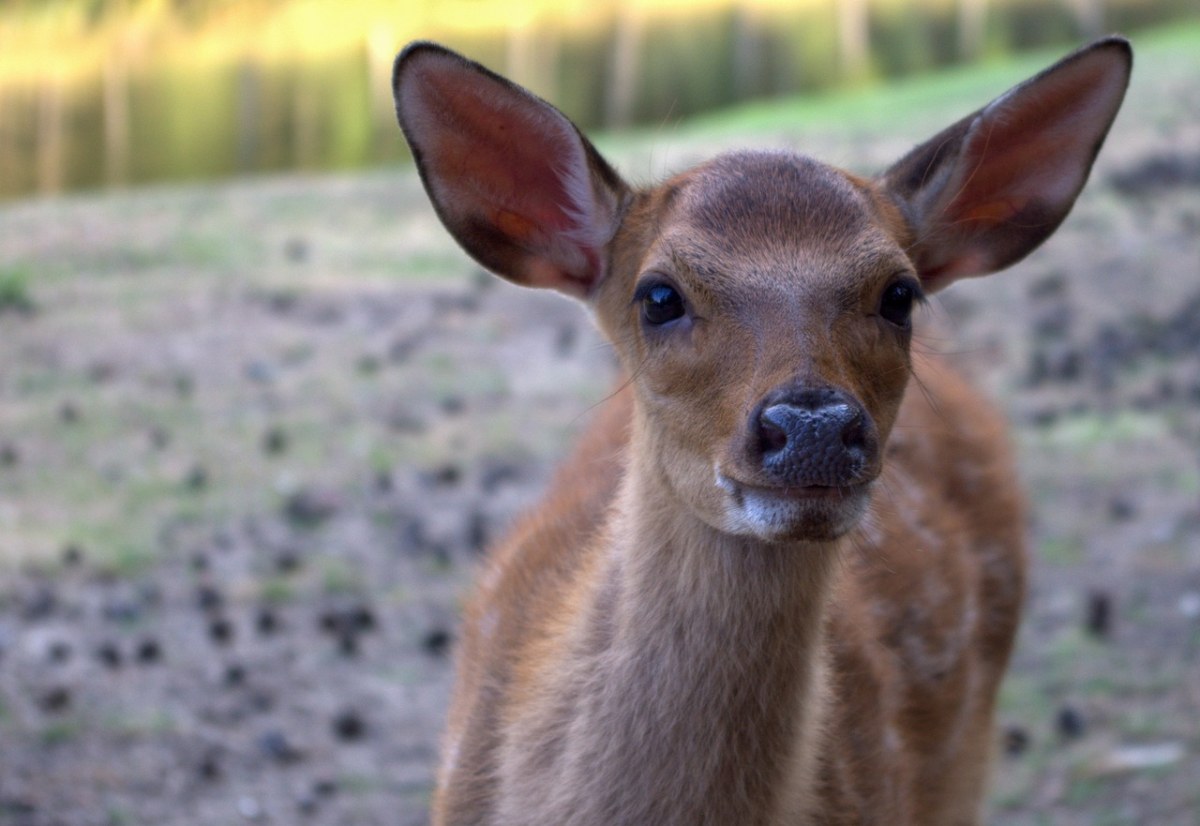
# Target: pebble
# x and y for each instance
(55, 700)
(1099, 614)
(210, 767)
(349, 726)
(149, 651)
(109, 654)
(437, 642)
(1070, 723)
(220, 630)
(275, 441)
(209, 598)
(235, 674)
(1016, 741)
(275, 745)
(72, 555)
(309, 508)
(267, 622)
(9, 455)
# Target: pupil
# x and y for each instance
(897, 304)
(662, 304)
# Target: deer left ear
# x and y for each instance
(985, 192)
(510, 176)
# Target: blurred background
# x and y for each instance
(104, 92)
(260, 417)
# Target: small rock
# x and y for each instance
(9, 455)
(446, 476)
(220, 631)
(1016, 741)
(109, 655)
(275, 745)
(267, 622)
(1070, 723)
(361, 618)
(309, 508)
(275, 441)
(124, 611)
(288, 562)
(306, 803)
(41, 605)
(348, 644)
(210, 767)
(296, 251)
(324, 787)
(197, 478)
(102, 372)
(383, 482)
(17, 807)
(149, 651)
(1099, 614)
(209, 598)
(352, 619)
(349, 726)
(72, 555)
(368, 364)
(68, 412)
(55, 700)
(498, 474)
(59, 651)
(437, 642)
(477, 532)
(160, 437)
(260, 372)
(235, 675)
(1121, 508)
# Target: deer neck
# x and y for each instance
(718, 641)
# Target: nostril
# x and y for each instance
(771, 435)
(854, 433)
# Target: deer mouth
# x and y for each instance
(815, 513)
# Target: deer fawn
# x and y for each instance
(779, 579)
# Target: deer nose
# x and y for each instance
(815, 437)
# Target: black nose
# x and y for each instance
(820, 436)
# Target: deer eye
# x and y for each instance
(896, 305)
(661, 303)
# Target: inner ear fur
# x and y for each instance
(513, 180)
(986, 191)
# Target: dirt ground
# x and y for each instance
(253, 438)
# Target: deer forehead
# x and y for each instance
(752, 226)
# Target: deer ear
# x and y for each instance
(988, 190)
(510, 176)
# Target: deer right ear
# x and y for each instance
(510, 176)
(988, 190)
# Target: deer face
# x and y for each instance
(762, 310)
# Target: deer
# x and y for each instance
(778, 579)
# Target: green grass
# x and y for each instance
(941, 96)
(15, 292)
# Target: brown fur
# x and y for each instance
(678, 634)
